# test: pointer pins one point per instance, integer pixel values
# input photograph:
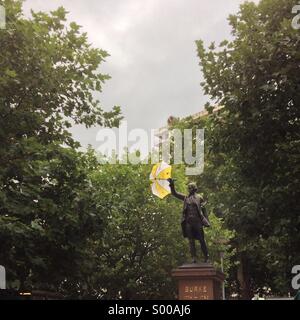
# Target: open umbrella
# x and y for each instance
(158, 176)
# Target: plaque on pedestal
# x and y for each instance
(199, 281)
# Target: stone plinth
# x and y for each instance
(199, 281)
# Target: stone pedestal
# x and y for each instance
(199, 281)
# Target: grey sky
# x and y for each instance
(153, 60)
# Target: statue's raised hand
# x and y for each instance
(171, 182)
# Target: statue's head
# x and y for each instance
(192, 187)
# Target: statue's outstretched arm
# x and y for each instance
(176, 194)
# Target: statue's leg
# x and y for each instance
(192, 249)
(203, 245)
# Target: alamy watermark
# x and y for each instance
(2, 18)
(296, 19)
(139, 146)
(296, 279)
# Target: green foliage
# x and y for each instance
(47, 216)
(252, 167)
(142, 240)
(218, 241)
(48, 75)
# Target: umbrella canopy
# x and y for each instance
(158, 176)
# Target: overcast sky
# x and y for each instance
(153, 61)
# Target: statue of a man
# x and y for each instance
(194, 218)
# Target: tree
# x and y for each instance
(49, 73)
(48, 76)
(47, 219)
(254, 144)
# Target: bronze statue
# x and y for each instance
(194, 218)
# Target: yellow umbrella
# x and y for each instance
(158, 176)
